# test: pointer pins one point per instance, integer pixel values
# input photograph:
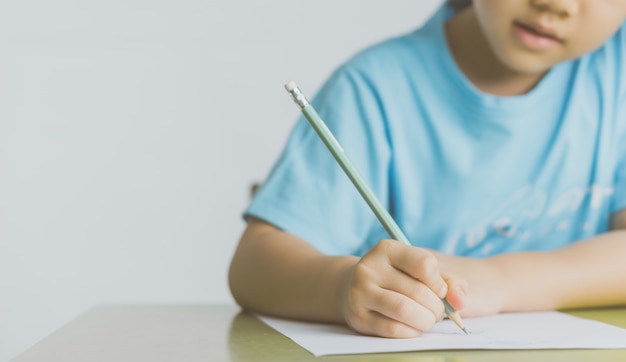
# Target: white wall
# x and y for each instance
(130, 131)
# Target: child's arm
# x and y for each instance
(388, 292)
(585, 274)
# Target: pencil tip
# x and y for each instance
(465, 330)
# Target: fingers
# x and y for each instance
(376, 324)
(418, 263)
(416, 292)
(457, 291)
(391, 291)
(378, 311)
(398, 307)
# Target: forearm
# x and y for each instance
(585, 274)
(276, 273)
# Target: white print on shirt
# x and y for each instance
(508, 218)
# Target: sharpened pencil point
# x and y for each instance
(454, 316)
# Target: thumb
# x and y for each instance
(457, 291)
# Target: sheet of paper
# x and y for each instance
(537, 330)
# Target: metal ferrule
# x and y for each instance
(299, 97)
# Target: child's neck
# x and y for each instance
(474, 56)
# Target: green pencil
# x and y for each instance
(357, 180)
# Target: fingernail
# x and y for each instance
(443, 291)
(459, 291)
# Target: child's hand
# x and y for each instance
(484, 297)
(395, 290)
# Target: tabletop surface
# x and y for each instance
(207, 333)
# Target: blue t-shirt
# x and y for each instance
(461, 171)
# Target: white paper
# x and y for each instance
(536, 330)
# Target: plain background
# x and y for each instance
(131, 131)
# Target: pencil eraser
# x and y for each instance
(291, 86)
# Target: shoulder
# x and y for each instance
(611, 55)
(396, 55)
(371, 70)
(618, 41)
(605, 68)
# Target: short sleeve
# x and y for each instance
(619, 199)
(619, 186)
(307, 193)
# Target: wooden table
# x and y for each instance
(208, 333)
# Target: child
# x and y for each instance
(496, 136)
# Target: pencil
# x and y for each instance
(370, 198)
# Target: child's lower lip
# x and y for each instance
(533, 40)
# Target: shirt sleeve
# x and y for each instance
(308, 194)
(619, 196)
(619, 199)
(619, 185)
